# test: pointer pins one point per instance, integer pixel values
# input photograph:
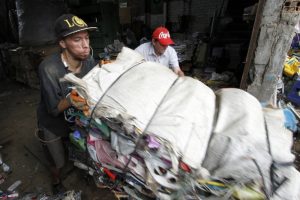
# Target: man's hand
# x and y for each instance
(77, 101)
(178, 72)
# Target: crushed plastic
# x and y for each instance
(14, 186)
(69, 195)
(4, 166)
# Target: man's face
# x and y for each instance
(77, 45)
(159, 48)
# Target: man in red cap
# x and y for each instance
(159, 50)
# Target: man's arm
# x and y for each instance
(63, 105)
(174, 62)
(51, 90)
(178, 71)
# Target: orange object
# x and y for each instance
(80, 103)
(111, 175)
(75, 97)
(103, 62)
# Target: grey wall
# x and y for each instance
(36, 21)
(201, 12)
(276, 32)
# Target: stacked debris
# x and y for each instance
(69, 195)
(154, 135)
(185, 47)
(5, 170)
(112, 50)
(13, 190)
(288, 96)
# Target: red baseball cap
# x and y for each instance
(162, 35)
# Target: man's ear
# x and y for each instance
(153, 41)
(62, 44)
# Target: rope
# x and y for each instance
(89, 120)
(263, 180)
(44, 141)
(147, 126)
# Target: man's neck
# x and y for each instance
(156, 52)
(74, 65)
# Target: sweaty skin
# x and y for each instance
(76, 49)
(159, 49)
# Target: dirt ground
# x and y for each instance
(22, 151)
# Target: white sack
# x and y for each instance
(238, 137)
(290, 189)
(187, 111)
(239, 145)
(184, 118)
(96, 82)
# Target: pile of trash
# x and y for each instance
(5, 170)
(112, 50)
(11, 192)
(152, 134)
(68, 195)
(185, 47)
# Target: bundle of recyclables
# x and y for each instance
(154, 135)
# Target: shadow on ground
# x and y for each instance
(23, 152)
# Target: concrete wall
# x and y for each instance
(201, 12)
(150, 13)
(276, 31)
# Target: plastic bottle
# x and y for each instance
(84, 167)
(4, 166)
(14, 186)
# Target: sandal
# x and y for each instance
(58, 188)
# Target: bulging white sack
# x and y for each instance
(248, 142)
(227, 132)
(180, 110)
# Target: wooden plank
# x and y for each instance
(252, 45)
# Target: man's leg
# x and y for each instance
(54, 149)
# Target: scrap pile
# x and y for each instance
(290, 80)
(154, 135)
(185, 48)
